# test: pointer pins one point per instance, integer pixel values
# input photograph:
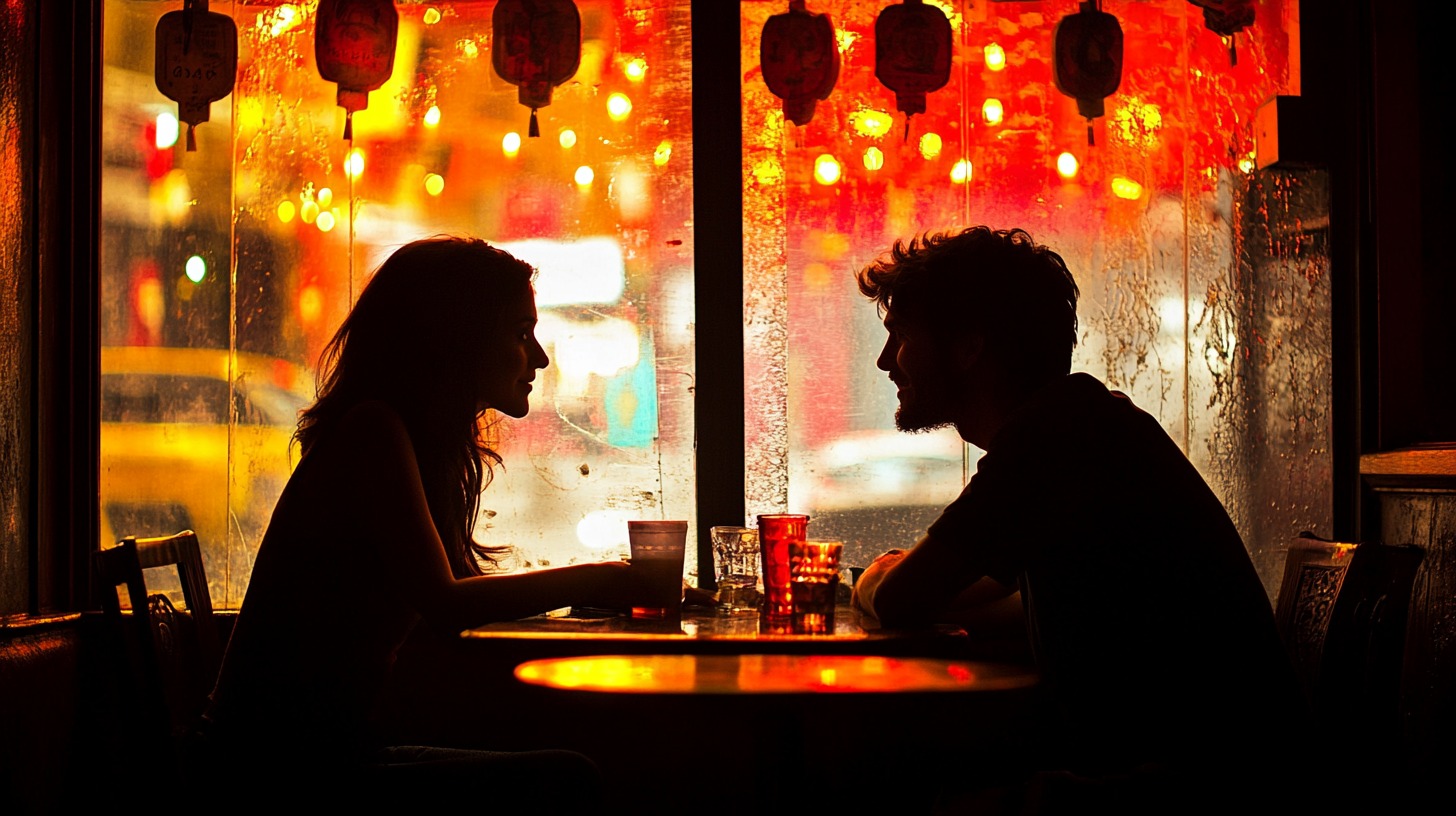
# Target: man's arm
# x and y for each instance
(931, 583)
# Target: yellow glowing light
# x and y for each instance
(310, 303)
(432, 15)
(354, 165)
(584, 176)
(1246, 165)
(874, 158)
(930, 145)
(325, 221)
(826, 169)
(434, 183)
(309, 211)
(250, 114)
(995, 56)
(282, 19)
(325, 197)
(871, 123)
(992, 111)
(1124, 187)
(468, 49)
(167, 130)
(619, 107)
(662, 153)
(432, 116)
(635, 69)
(828, 677)
(196, 269)
(511, 143)
(286, 211)
(1137, 123)
(1067, 165)
(567, 138)
(961, 172)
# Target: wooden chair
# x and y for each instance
(171, 657)
(1342, 612)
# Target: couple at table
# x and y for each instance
(1084, 524)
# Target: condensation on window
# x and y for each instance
(226, 269)
(1203, 295)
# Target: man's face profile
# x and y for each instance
(916, 364)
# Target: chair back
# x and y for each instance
(1342, 612)
(172, 655)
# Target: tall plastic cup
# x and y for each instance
(658, 549)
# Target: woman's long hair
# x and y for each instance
(418, 339)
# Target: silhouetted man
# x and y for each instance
(1154, 637)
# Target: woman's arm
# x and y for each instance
(381, 480)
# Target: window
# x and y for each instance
(1205, 293)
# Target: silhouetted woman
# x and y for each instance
(373, 535)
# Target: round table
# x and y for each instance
(770, 674)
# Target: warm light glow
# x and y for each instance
(1124, 187)
(874, 158)
(567, 138)
(1246, 165)
(930, 145)
(662, 153)
(325, 197)
(325, 221)
(432, 116)
(961, 172)
(309, 211)
(995, 56)
(167, 130)
(827, 677)
(434, 183)
(635, 69)
(432, 15)
(250, 114)
(354, 165)
(584, 176)
(871, 123)
(826, 169)
(280, 20)
(630, 186)
(468, 49)
(1137, 123)
(574, 273)
(511, 143)
(286, 211)
(1067, 166)
(991, 111)
(196, 269)
(310, 304)
(619, 107)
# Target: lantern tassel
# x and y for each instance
(906, 137)
(535, 129)
(348, 126)
(1091, 141)
(191, 138)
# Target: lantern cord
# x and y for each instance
(191, 138)
(348, 126)
(535, 129)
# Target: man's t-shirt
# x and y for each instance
(1149, 624)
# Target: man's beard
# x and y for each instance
(922, 413)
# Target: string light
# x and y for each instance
(995, 56)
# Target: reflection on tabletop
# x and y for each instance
(769, 674)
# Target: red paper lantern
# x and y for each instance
(800, 60)
(1088, 60)
(1227, 18)
(354, 42)
(196, 62)
(537, 46)
(912, 54)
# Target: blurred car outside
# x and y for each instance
(198, 439)
(876, 490)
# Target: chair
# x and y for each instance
(171, 657)
(1342, 612)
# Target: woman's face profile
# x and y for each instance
(512, 358)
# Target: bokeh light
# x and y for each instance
(196, 269)
(1067, 165)
(432, 116)
(434, 183)
(1124, 187)
(874, 158)
(635, 69)
(992, 111)
(354, 165)
(567, 138)
(167, 130)
(931, 145)
(584, 176)
(511, 143)
(619, 106)
(961, 172)
(995, 56)
(826, 169)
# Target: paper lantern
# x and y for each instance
(354, 43)
(800, 60)
(537, 46)
(196, 61)
(1088, 59)
(912, 54)
(1227, 18)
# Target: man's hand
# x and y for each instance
(869, 581)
